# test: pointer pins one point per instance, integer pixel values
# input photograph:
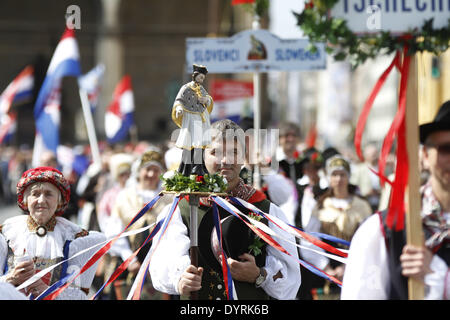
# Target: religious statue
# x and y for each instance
(191, 112)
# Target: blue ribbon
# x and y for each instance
(147, 240)
(65, 279)
(165, 224)
(224, 256)
(53, 287)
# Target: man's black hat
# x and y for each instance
(441, 122)
(236, 235)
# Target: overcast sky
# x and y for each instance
(282, 21)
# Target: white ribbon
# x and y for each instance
(41, 273)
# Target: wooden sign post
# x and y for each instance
(414, 232)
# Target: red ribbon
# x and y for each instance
(141, 277)
(365, 114)
(272, 242)
(102, 251)
(396, 207)
(317, 242)
(396, 212)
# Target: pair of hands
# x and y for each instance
(244, 270)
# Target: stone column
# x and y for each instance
(110, 53)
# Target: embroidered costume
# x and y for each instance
(62, 240)
(368, 276)
(55, 241)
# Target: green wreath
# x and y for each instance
(175, 181)
(343, 44)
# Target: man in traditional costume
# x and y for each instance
(379, 262)
(190, 112)
(288, 153)
(263, 273)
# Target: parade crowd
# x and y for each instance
(328, 191)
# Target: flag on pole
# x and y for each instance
(65, 62)
(91, 82)
(119, 116)
(20, 90)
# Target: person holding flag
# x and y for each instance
(379, 261)
(65, 62)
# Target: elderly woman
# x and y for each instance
(41, 238)
(340, 209)
(128, 202)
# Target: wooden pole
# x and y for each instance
(193, 230)
(414, 232)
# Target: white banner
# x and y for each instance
(397, 16)
(253, 51)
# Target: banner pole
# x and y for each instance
(414, 232)
(90, 126)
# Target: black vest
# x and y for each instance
(213, 286)
(395, 241)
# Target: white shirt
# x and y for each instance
(367, 276)
(171, 257)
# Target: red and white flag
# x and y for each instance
(119, 116)
(18, 91)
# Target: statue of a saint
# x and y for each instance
(190, 112)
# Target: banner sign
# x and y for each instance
(253, 51)
(233, 99)
(396, 16)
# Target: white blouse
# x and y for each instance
(20, 239)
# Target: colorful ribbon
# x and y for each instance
(102, 251)
(227, 279)
(138, 284)
(279, 223)
(269, 240)
(396, 211)
(125, 264)
(397, 129)
(45, 271)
